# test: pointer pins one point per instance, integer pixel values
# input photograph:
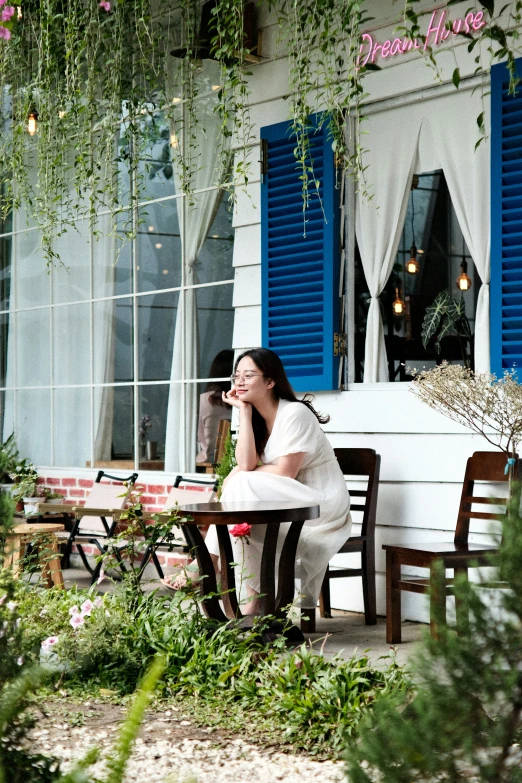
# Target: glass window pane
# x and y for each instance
(153, 404)
(4, 335)
(157, 317)
(112, 258)
(72, 277)
(155, 170)
(32, 279)
(159, 247)
(71, 344)
(32, 348)
(33, 425)
(216, 256)
(215, 320)
(113, 355)
(114, 423)
(72, 427)
(6, 248)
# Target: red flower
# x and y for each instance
(242, 530)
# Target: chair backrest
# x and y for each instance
(486, 467)
(104, 495)
(187, 491)
(362, 464)
(221, 440)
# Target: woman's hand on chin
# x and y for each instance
(231, 398)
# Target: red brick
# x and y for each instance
(156, 489)
(161, 500)
(77, 493)
(53, 482)
(40, 480)
(85, 483)
(147, 500)
(68, 482)
(140, 487)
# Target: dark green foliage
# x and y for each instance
(444, 317)
(228, 462)
(466, 715)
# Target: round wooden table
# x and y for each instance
(271, 514)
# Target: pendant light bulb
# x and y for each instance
(463, 281)
(412, 265)
(32, 122)
(398, 305)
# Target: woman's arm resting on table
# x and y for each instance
(288, 466)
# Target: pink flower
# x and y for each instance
(2, 2)
(241, 531)
(76, 620)
(7, 13)
(105, 5)
(4, 33)
(101, 576)
(49, 643)
(98, 602)
(86, 608)
(74, 610)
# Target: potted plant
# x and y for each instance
(9, 458)
(26, 491)
(53, 498)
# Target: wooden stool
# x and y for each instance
(22, 535)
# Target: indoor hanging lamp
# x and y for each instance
(412, 265)
(463, 281)
(398, 305)
(32, 122)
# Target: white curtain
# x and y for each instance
(452, 120)
(194, 222)
(391, 145)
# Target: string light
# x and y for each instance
(463, 281)
(32, 122)
(398, 305)
(412, 265)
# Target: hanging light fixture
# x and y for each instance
(32, 122)
(463, 281)
(412, 265)
(398, 305)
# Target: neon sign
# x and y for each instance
(438, 31)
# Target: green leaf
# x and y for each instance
(456, 77)
(489, 5)
(434, 315)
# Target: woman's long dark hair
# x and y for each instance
(272, 367)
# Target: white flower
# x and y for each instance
(76, 620)
(20, 661)
(11, 605)
(17, 624)
(98, 602)
(101, 576)
(74, 610)
(86, 608)
(2, 598)
(49, 643)
(43, 612)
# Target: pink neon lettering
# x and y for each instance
(436, 34)
(366, 39)
(386, 49)
(395, 47)
(479, 20)
(376, 48)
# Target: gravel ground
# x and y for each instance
(170, 749)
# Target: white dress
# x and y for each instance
(319, 481)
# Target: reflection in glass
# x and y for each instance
(215, 257)
(32, 282)
(211, 408)
(33, 425)
(153, 404)
(71, 344)
(4, 335)
(215, 318)
(71, 278)
(32, 347)
(159, 246)
(156, 325)
(112, 327)
(114, 423)
(72, 427)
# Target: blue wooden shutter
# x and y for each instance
(506, 223)
(300, 274)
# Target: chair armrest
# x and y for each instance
(115, 513)
(56, 508)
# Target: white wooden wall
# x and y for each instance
(423, 454)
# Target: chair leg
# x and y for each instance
(437, 599)
(368, 580)
(54, 566)
(462, 607)
(393, 600)
(308, 626)
(325, 606)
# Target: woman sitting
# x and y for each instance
(282, 455)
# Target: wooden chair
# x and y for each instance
(43, 537)
(459, 555)
(219, 448)
(184, 491)
(366, 464)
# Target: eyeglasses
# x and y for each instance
(245, 377)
